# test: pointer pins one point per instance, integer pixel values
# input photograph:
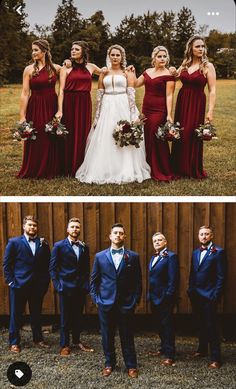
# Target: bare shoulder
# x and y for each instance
(28, 69)
(210, 66)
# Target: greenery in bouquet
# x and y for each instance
(206, 131)
(169, 131)
(24, 131)
(55, 127)
(129, 133)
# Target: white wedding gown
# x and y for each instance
(105, 162)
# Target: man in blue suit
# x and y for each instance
(163, 273)
(69, 271)
(116, 287)
(206, 281)
(26, 272)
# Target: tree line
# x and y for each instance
(137, 34)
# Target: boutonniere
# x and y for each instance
(165, 253)
(83, 245)
(43, 242)
(126, 258)
(213, 250)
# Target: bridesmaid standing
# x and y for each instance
(74, 104)
(41, 156)
(157, 107)
(195, 72)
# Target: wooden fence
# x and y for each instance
(178, 221)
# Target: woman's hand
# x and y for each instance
(104, 70)
(58, 115)
(169, 119)
(209, 116)
(173, 71)
(67, 63)
(130, 68)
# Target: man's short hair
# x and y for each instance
(207, 227)
(74, 220)
(118, 225)
(31, 218)
(158, 233)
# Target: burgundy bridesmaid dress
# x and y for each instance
(41, 156)
(77, 112)
(154, 108)
(187, 155)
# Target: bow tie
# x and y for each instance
(203, 248)
(75, 243)
(119, 251)
(32, 240)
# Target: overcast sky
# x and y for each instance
(43, 11)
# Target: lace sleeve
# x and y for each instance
(100, 93)
(132, 106)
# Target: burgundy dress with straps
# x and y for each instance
(41, 158)
(77, 112)
(187, 155)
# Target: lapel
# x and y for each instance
(37, 247)
(123, 262)
(109, 257)
(205, 256)
(26, 243)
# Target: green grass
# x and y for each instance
(219, 157)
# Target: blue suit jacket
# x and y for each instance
(66, 271)
(207, 279)
(20, 265)
(163, 278)
(109, 286)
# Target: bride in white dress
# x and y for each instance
(105, 162)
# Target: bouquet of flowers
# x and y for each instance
(24, 131)
(169, 131)
(206, 131)
(129, 133)
(55, 127)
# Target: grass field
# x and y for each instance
(219, 157)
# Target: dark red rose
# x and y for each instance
(126, 128)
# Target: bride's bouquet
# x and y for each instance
(129, 133)
(169, 131)
(24, 131)
(55, 127)
(206, 131)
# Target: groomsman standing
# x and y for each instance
(25, 266)
(69, 270)
(207, 276)
(163, 273)
(116, 287)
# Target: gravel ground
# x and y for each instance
(83, 370)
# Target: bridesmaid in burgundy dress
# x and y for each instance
(41, 156)
(157, 107)
(195, 72)
(75, 106)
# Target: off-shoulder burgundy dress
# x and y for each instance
(187, 155)
(154, 108)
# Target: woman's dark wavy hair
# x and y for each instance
(85, 53)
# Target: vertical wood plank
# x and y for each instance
(4, 296)
(230, 246)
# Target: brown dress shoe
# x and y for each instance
(65, 351)
(214, 365)
(14, 348)
(107, 371)
(41, 344)
(167, 362)
(133, 373)
(84, 347)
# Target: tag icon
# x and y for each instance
(19, 373)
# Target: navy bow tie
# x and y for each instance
(32, 239)
(75, 243)
(202, 248)
(119, 251)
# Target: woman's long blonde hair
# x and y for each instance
(188, 55)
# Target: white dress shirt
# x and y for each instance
(31, 243)
(203, 253)
(117, 257)
(75, 248)
(155, 259)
